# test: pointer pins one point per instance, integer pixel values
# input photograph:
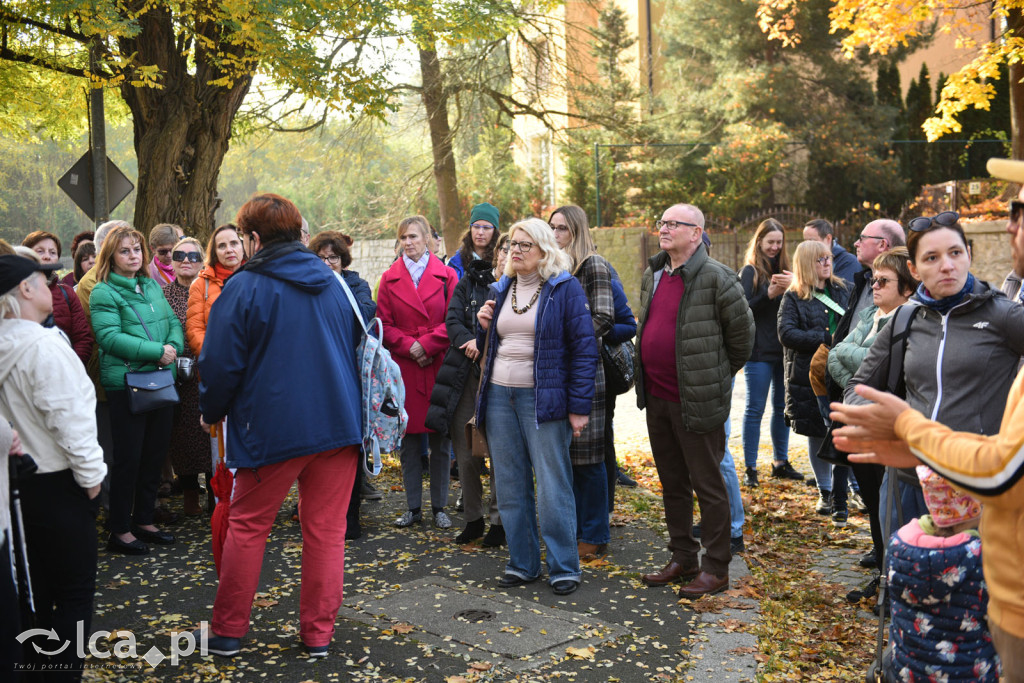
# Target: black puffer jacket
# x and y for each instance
(803, 327)
(470, 294)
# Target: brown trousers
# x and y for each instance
(689, 462)
(1011, 652)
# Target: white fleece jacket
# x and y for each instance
(46, 394)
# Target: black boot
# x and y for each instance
(473, 531)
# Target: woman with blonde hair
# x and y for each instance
(537, 391)
(588, 452)
(412, 302)
(136, 331)
(808, 316)
(765, 277)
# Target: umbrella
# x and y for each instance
(222, 483)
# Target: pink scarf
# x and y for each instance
(166, 272)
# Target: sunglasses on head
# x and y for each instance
(946, 219)
(190, 256)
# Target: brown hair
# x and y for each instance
(914, 239)
(84, 251)
(338, 242)
(34, 238)
(211, 247)
(272, 217)
(755, 256)
(76, 241)
(467, 249)
(163, 233)
(111, 243)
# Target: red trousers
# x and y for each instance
(325, 486)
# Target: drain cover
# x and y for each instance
(475, 616)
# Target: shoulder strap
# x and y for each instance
(901, 321)
(830, 303)
(63, 290)
(352, 302)
(206, 292)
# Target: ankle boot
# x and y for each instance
(473, 531)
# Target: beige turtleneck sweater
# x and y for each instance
(513, 364)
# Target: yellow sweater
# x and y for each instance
(991, 468)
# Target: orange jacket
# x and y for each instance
(991, 468)
(201, 294)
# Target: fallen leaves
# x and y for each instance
(581, 652)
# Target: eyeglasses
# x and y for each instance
(190, 256)
(560, 228)
(1016, 210)
(824, 260)
(164, 251)
(333, 259)
(879, 282)
(945, 219)
(523, 247)
(481, 226)
(870, 237)
(505, 249)
(674, 225)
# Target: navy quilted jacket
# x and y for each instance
(938, 601)
(564, 353)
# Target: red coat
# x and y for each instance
(416, 314)
(69, 316)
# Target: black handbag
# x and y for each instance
(150, 390)
(619, 371)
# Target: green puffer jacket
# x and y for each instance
(119, 334)
(714, 337)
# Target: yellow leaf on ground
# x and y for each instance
(581, 652)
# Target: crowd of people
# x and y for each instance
(517, 334)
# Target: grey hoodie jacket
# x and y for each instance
(959, 366)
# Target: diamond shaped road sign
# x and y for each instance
(77, 184)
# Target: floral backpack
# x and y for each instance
(384, 415)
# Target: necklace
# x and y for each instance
(533, 300)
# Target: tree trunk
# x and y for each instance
(1015, 28)
(435, 101)
(181, 131)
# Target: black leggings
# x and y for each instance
(869, 478)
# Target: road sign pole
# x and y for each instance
(97, 139)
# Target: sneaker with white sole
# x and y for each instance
(839, 518)
(442, 520)
(316, 652)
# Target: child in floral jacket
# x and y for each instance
(937, 594)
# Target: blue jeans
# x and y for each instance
(831, 478)
(732, 487)
(522, 450)
(590, 489)
(760, 376)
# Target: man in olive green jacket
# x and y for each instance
(695, 331)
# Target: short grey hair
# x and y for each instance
(698, 215)
(554, 260)
(104, 230)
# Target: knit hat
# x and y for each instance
(947, 506)
(484, 212)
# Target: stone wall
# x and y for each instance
(990, 251)
(370, 258)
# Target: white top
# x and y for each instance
(417, 268)
(45, 392)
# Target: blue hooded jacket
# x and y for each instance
(625, 323)
(565, 353)
(279, 360)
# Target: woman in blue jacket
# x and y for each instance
(279, 359)
(538, 391)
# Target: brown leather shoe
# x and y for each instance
(591, 551)
(672, 572)
(704, 584)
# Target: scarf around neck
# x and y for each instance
(943, 306)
